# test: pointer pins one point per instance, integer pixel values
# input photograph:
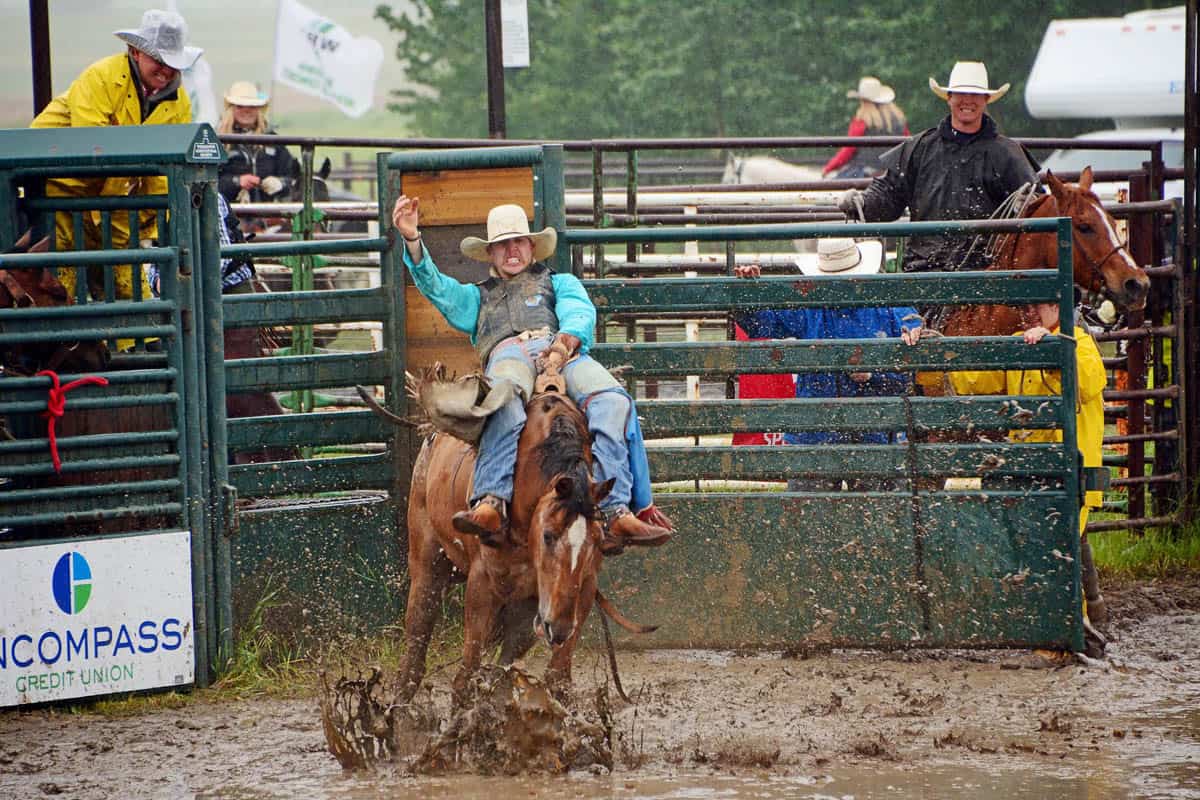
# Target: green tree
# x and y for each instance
(686, 68)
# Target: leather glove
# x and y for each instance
(849, 202)
(271, 186)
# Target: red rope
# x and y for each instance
(56, 403)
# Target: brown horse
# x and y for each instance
(37, 287)
(545, 572)
(1102, 263)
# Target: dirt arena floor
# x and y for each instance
(705, 724)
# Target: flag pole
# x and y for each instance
(275, 54)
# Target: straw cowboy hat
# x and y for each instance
(872, 89)
(245, 93)
(968, 77)
(844, 257)
(162, 36)
(509, 222)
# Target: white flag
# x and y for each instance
(319, 57)
(198, 82)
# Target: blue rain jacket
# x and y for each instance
(836, 323)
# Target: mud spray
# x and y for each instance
(507, 722)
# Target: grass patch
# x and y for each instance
(261, 663)
(1157, 553)
(130, 705)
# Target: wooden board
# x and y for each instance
(431, 339)
(464, 196)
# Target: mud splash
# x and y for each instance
(703, 724)
(507, 722)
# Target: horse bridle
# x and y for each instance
(1095, 266)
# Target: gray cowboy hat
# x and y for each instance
(161, 36)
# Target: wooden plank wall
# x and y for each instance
(455, 204)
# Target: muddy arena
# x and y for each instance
(710, 724)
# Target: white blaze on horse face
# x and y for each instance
(576, 536)
(1113, 239)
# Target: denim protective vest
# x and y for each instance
(511, 306)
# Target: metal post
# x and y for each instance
(1190, 423)
(1141, 236)
(39, 46)
(495, 70)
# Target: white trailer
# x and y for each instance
(1128, 68)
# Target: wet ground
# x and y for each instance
(719, 725)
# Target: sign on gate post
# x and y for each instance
(93, 617)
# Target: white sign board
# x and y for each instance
(88, 618)
(514, 33)
(315, 55)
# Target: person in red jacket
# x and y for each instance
(877, 115)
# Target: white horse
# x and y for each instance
(767, 169)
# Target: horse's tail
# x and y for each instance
(616, 616)
(374, 405)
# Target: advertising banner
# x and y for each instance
(86, 618)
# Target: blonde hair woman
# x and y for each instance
(255, 173)
(877, 115)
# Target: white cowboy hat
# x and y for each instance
(509, 222)
(968, 77)
(872, 89)
(844, 257)
(245, 93)
(162, 36)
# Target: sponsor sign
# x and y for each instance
(514, 33)
(206, 147)
(88, 618)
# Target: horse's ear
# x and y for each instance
(601, 490)
(564, 487)
(1085, 178)
(326, 168)
(1057, 187)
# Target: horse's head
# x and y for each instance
(36, 287)
(733, 169)
(320, 182)
(564, 543)
(1103, 263)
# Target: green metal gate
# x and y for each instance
(167, 472)
(919, 566)
(915, 567)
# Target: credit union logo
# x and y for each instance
(72, 583)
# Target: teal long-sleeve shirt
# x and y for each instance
(459, 302)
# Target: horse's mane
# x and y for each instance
(1006, 252)
(564, 452)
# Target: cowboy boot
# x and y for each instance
(621, 525)
(486, 519)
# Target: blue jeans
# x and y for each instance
(605, 404)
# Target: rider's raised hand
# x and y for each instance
(405, 217)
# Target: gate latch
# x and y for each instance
(1094, 479)
(229, 508)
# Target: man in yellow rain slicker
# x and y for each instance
(139, 86)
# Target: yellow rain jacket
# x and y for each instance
(1089, 411)
(106, 93)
